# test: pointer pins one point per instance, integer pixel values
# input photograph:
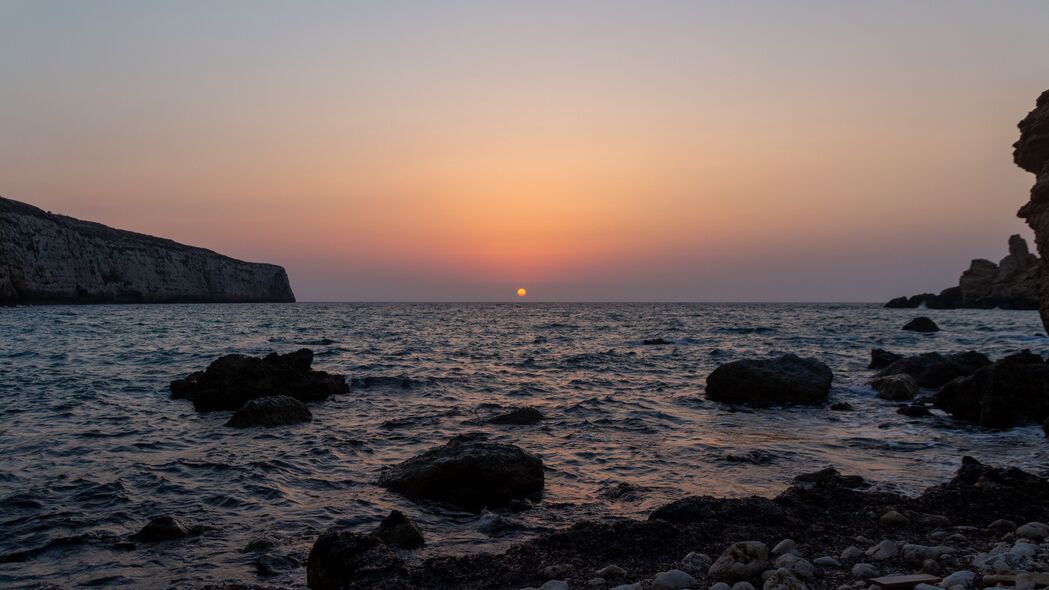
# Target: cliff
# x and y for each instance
(1031, 153)
(47, 258)
(1010, 284)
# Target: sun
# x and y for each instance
(521, 292)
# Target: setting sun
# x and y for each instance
(521, 292)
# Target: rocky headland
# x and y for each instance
(1010, 284)
(49, 258)
(1031, 152)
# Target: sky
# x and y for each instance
(584, 150)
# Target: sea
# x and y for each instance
(92, 446)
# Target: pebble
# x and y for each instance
(554, 585)
(803, 569)
(672, 580)
(963, 578)
(827, 561)
(958, 539)
(913, 553)
(894, 518)
(864, 571)
(1024, 582)
(1002, 526)
(851, 552)
(696, 562)
(782, 579)
(1033, 530)
(611, 571)
(720, 586)
(1025, 549)
(862, 540)
(936, 521)
(597, 582)
(557, 571)
(884, 550)
(634, 586)
(931, 567)
(743, 586)
(786, 546)
(926, 587)
(741, 561)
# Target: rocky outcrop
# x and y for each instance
(933, 369)
(279, 410)
(48, 258)
(469, 474)
(1031, 152)
(1010, 284)
(788, 379)
(1012, 391)
(234, 379)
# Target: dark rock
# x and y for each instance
(1031, 152)
(398, 530)
(788, 379)
(655, 341)
(904, 302)
(914, 411)
(921, 324)
(896, 387)
(341, 559)
(1045, 427)
(933, 369)
(842, 407)
(162, 528)
(882, 358)
(234, 379)
(518, 416)
(278, 410)
(830, 477)
(752, 456)
(272, 565)
(471, 475)
(1012, 391)
(622, 491)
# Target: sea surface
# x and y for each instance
(92, 446)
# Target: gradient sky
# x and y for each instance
(644, 151)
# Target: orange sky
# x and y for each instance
(599, 151)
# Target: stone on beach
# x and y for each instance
(864, 571)
(788, 379)
(278, 410)
(340, 558)
(885, 550)
(782, 579)
(741, 561)
(893, 518)
(235, 378)
(672, 580)
(469, 474)
(1038, 531)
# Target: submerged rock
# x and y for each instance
(896, 387)
(469, 474)
(400, 531)
(933, 369)
(882, 358)
(519, 416)
(921, 324)
(278, 410)
(788, 379)
(162, 528)
(235, 378)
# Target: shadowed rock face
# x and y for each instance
(47, 258)
(1031, 153)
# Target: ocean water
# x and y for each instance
(92, 446)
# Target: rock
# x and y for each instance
(829, 477)
(162, 528)
(469, 474)
(917, 554)
(962, 578)
(51, 258)
(914, 411)
(398, 530)
(1031, 152)
(786, 546)
(1024, 581)
(742, 586)
(721, 586)
(554, 585)
(272, 565)
(696, 563)
(596, 583)
(782, 579)
(655, 342)
(613, 572)
(279, 410)
(933, 369)
(882, 358)
(896, 387)
(672, 580)
(1009, 392)
(788, 379)
(827, 561)
(234, 379)
(556, 571)
(926, 587)
(851, 552)
(519, 416)
(1002, 526)
(864, 571)
(931, 567)
(936, 520)
(921, 324)
(741, 561)
(1033, 530)
(842, 407)
(884, 550)
(893, 518)
(340, 557)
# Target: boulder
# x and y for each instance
(914, 411)
(519, 416)
(278, 410)
(470, 474)
(882, 358)
(896, 387)
(400, 531)
(235, 378)
(340, 558)
(788, 379)
(741, 561)
(921, 324)
(162, 528)
(933, 369)
(1012, 391)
